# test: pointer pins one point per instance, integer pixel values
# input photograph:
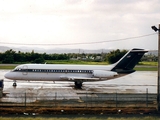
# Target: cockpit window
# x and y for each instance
(17, 69)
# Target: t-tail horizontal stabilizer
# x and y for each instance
(128, 61)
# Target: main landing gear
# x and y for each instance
(14, 84)
(78, 84)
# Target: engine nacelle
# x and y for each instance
(104, 74)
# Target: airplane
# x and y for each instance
(77, 73)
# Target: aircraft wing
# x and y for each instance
(75, 78)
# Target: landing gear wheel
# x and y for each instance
(14, 84)
(78, 84)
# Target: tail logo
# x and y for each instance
(128, 56)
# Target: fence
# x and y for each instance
(81, 100)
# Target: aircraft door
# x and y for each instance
(25, 70)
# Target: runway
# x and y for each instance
(135, 83)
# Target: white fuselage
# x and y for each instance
(51, 72)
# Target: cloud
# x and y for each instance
(74, 21)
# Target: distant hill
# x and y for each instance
(54, 50)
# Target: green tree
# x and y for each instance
(115, 55)
(9, 56)
(39, 60)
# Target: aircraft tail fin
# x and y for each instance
(128, 61)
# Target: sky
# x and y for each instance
(82, 24)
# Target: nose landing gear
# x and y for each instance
(14, 84)
(78, 84)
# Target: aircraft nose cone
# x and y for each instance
(8, 75)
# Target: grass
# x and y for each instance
(142, 66)
(81, 118)
(149, 63)
(8, 67)
(146, 68)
